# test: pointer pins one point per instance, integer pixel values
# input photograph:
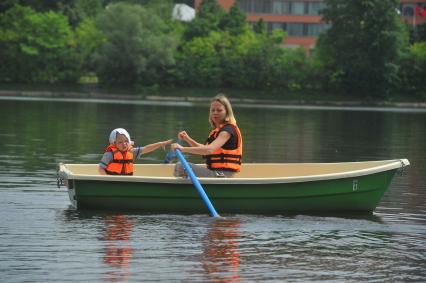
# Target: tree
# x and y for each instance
(421, 31)
(414, 70)
(361, 50)
(36, 47)
(199, 62)
(234, 21)
(139, 46)
(207, 20)
(258, 61)
(88, 39)
(36, 5)
(416, 33)
(88, 8)
(7, 4)
(260, 26)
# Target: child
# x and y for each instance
(120, 154)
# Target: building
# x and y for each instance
(413, 12)
(301, 19)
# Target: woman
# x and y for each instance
(223, 148)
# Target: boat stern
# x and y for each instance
(63, 179)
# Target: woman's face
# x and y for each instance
(121, 142)
(217, 113)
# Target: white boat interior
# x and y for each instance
(249, 171)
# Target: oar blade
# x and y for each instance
(197, 184)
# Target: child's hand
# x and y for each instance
(164, 143)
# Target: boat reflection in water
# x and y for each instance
(118, 250)
(221, 257)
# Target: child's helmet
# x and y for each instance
(113, 135)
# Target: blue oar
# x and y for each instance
(171, 154)
(197, 183)
(169, 157)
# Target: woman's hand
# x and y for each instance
(175, 146)
(183, 135)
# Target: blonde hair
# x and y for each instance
(222, 99)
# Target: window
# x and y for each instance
(277, 26)
(270, 26)
(316, 29)
(298, 8)
(247, 6)
(295, 29)
(314, 8)
(280, 7)
(408, 10)
(312, 29)
(263, 6)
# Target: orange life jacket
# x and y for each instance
(122, 161)
(225, 159)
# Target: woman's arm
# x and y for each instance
(183, 135)
(154, 146)
(202, 149)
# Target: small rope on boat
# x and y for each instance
(59, 180)
(402, 170)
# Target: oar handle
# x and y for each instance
(171, 154)
(197, 184)
(169, 157)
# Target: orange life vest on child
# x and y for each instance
(122, 161)
(225, 159)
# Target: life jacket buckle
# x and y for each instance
(220, 174)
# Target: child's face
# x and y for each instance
(121, 142)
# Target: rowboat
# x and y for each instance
(260, 188)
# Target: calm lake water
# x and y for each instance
(43, 239)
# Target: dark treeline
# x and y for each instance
(368, 51)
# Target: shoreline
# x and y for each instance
(192, 99)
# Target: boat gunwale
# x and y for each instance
(390, 165)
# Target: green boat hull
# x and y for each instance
(353, 195)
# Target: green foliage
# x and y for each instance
(138, 48)
(267, 65)
(259, 27)
(199, 62)
(362, 48)
(88, 8)
(421, 32)
(413, 69)
(135, 42)
(207, 20)
(88, 39)
(229, 54)
(245, 60)
(418, 51)
(35, 47)
(417, 33)
(37, 5)
(234, 21)
(7, 4)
